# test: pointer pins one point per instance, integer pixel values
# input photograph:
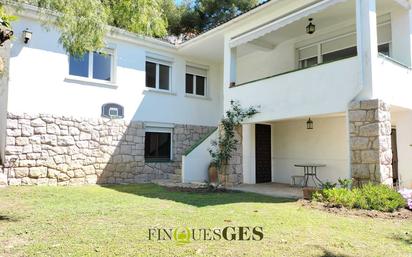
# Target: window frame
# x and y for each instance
(320, 43)
(157, 76)
(89, 78)
(195, 75)
(159, 130)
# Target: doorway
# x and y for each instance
(263, 153)
(395, 169)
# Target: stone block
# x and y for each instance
(370, 157)
(27, 131)
(40, 130)
(38, 172)
(66, 141)
(22, 141)
(359, 143)
(369, 130)
(12, 124)
(370, 104)
(21, 172)
(13, 150)
(38, 123)
(53, 129)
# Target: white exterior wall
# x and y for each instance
(403, 123)
(261, 64)
(394, 83)
(38, 84)
(196, 163)
(249, 153)
(326, 144)
(315, 91)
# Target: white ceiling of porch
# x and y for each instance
(340, 14)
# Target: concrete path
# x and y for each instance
(271, 189)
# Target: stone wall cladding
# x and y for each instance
(54, 150)
(234, 169)
(370, 141)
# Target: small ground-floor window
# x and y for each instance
(158, 146)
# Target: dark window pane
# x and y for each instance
(157, 146)
(384, 49)
(189, 84)
(341, 54)
(150, 74)
(308, 62)
(102, 66)
(164, 75)
(200, 85)
(79, 66)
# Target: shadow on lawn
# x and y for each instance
(6, 218)
(198, 199)
(327, 253)
(405, 237)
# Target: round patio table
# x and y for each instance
(310, 170)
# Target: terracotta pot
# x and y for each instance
(222, 179)
(308, 192)
(212, 171)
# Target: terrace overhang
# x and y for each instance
(282, 21)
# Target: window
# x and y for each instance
(384, 49)
(158, 146)
(196, 81)
(112, 111)
(340, 54)
(96, 65)
(340, 47)
(158, 75)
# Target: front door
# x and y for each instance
(395, 158)
(263, 154)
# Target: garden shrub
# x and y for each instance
(368, 197)
(378, 197)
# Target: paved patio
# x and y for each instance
(271, 189)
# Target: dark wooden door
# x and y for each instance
(395, 158)
(263, 154)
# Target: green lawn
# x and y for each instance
(114, 221)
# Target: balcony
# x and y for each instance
(326, 88)
(290, 73)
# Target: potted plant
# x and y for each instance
(308, 192)
(212, 172)
(222, 148)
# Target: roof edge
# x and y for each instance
(229, 22)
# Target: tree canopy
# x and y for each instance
(83, 23)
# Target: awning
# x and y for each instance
(282, 22)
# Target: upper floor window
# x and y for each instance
(196, 81)
(158, 74)
(340, 47)
(93, 65)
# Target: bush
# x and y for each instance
(336, 197)
(368, 197)
(378, 197)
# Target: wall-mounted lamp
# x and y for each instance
(309, 124)
(311, 28)
(27, 34)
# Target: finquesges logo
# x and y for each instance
(187, 235)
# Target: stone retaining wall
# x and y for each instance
(370, 141)
(54, 150)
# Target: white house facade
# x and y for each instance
(145, 109)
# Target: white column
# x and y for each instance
(229, 71)
(401, 21)
(367, 41)
(233, 66)
(249, 154)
